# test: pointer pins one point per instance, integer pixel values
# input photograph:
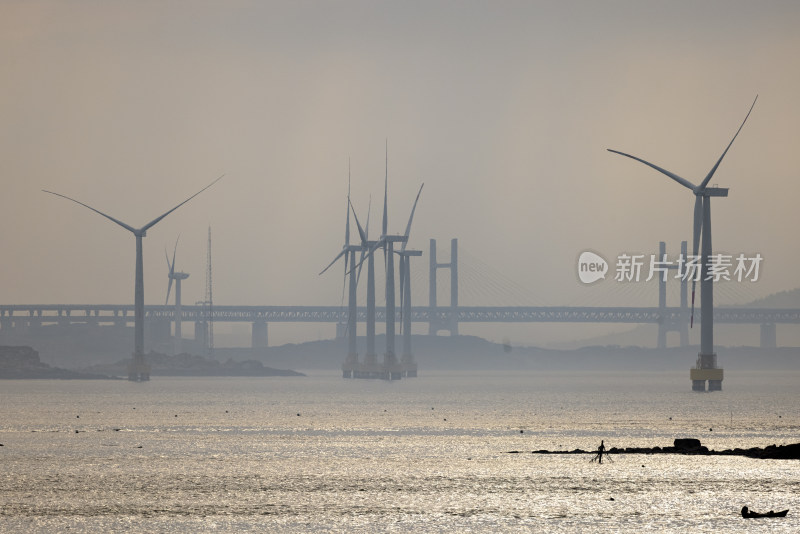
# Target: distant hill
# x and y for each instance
(783, 299)
(727, 335)
(443, 353)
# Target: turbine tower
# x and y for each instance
(706, 367)
(138, 371)
(177, 278)
(409, 366)
(208, 303)
(370, 368)
(348, 252)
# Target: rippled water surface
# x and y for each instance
(420, 455)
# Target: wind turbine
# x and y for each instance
(706, 368)
(386, 242)
(177, 278)
(138, 370)
(370, 358)
(409, 366)
(349, 253)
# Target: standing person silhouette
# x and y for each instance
(600, 451)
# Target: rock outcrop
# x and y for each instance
(22, 362)
(192, 365)
(691, 446)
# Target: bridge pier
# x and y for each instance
(341, 330)
(63, 317)
(201, 333)
(18, 325)
(260, 335)
(682, 325)
(769, 336)
(35, 325)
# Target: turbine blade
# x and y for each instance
(174, 252)
(342, 253)
(157, 219)
(347, 208)
(347, 227)
(698, 224)
(402, 273)
(369, 209)
(683, 181)
(698, 228)
(364, 239)
(122, 224)
(411, 218)
(714, 168)
(386, 192)
(171, 270)
(360, 261)
(361, 233)
(344, 278)
(369, 253)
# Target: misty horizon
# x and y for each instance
(505, 114)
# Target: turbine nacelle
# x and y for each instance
(713, 192)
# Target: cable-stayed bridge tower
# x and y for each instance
(443, 318)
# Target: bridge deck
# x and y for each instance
(110, 313)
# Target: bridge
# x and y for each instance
(122, 314)
(478, 276)
(38, 315)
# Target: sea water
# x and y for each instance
(428, 454)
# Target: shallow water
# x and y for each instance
(426, 454)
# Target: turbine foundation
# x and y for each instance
(706, 371)
(350, 366)
(392, 369)
(138, 370)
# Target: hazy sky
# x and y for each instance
(503, 109)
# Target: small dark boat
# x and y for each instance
(749, 514)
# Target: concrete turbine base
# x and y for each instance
(138, 370)
(699, 375)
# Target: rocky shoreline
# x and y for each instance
(23, 363)
(190, 365)
(691, 446)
